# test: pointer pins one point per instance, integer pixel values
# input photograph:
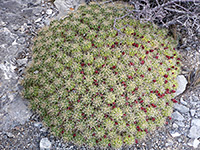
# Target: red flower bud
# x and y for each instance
(141, 101)
(153, 105)
(142, 62)
(142, 46)
(168, 57)
(114, 67)
(147, 52)
(136, 45)
(149, 69)
(154, 81)
(131, 63)
(166, 81)
(168, 69)
(113, 46)
(130, 77)
(111, 89)
(173, 91)
(123, 53)
(151, 50)
(156, 57)
(116, 123)
(146, 130)
(165, 75)
(104, 136)
(123, 82)
(153, 119)
(136, 141)
(142, 75)
(74, 135)
(174, 101)
(62, 131)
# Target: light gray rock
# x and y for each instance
(194, 143)
(181, 108)
(192, 112)
(169, 142)
(183, 102)
(49, 11)
(38, 124)
(63, 7)
(45, 144)
(22, 62)
(174, 133)
(195, 98)
(194, 132)
(182, 82)
(196, 122)
(15, 113)
(10, 135)
(180, 123)
(38, 20)
(21, 40)
(177, 116)
(175, 125)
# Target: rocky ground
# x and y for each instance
(22, 129)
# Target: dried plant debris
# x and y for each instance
(194, 78)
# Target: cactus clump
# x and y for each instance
(95, 86)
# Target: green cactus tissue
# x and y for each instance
(97, 86)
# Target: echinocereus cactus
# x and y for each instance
(95, 86)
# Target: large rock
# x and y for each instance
(64, 6)
(14, 113)
(182, 82)
(177, 116)
(181, 108)
(45, 144)
(194, 131)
